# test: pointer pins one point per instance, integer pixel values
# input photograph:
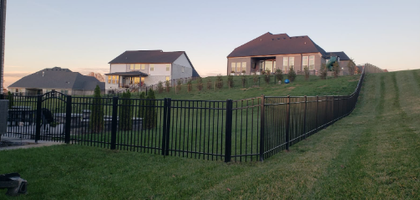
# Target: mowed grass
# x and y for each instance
(374, 153)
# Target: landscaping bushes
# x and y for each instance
(292, 74)
(125, 112)
(306, 71)
(150, 117)
(97, 112)
(279, 75)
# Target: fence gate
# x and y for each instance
(53, 116)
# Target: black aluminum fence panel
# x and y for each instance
(197, 129)
(246, 129)
(22, 117)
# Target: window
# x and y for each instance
(311, 62)
(137, 66)
(152, 67)
(109, 79)
(288, 62)
(233, 66)
(285, 63)
(167, 78)
(304, 61)
(238, 67)
(136, 80)
(143, 66)
(168, 67)
(269, 65)
(243, 66)
(291, 61)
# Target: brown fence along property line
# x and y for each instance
(251, 129)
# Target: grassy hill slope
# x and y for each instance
(314, 86)
(374, 153)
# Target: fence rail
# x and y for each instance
(242, 130)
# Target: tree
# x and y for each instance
(160, 87)
(306, 70)
(323, 72)
(125, 115)
(219, 81)
(291, 74)
(189, 85)
(10, 98)
(168, 86)
(279, 75)
(336, 69)
(150, 114)
(141, 107)
(351, 67)
(97, 112)
(199, 83)
(178, 85)
(230, 81)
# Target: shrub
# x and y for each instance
(96, 121)
(351, 67)
(336, 69)
(178, 85)
(306, 70)
(279, 75)
(243, 80)
(219, 81)
(125, 112)
(141, 107)
(199, 83)
(167, 86)
(11, 99)
(150, 114)
(323, 72)
(160, 87)
(209, 84)
(292, 74)
(243, 71)
(189, 85)
(255, 78)
(267, 77)
(230, 81)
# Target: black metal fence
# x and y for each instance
(243, 130)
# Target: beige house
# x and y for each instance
(280, 51)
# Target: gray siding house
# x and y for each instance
(58, 79)
(148, 67)
(279, 51)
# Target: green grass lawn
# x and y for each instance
(374, 153)
(312, 87)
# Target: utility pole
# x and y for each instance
(2, 39)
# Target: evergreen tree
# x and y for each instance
(10, 98)
(142, 103)
(291, 74)
(150, 114)
(97, 112)
(125, 114)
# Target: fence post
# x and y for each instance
(304, 118)
(38, 118)
(166, 125)
(228, 140)
(287, 123)
(114, 122)
(262, 128)
(68, 120)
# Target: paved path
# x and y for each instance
(26, 143)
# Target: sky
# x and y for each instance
(84, 35)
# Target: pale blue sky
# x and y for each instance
(84, 35)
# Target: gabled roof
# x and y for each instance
(147, 56)
(58, 78)
(340, 54)
(131, 73)
(269, 44)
